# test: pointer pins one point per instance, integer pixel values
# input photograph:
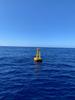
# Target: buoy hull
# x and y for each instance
(37, 60)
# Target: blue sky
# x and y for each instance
(37, 23)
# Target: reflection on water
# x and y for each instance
(37, 68)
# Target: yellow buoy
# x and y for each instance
(38, 58)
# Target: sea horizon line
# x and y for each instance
(39, 47)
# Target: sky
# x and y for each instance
(45, 23)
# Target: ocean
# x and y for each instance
(23, 79)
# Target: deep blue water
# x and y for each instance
(22, 79)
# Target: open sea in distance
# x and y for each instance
(23, 79)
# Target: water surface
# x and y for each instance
(22, 79)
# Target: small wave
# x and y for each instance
(64, 65)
